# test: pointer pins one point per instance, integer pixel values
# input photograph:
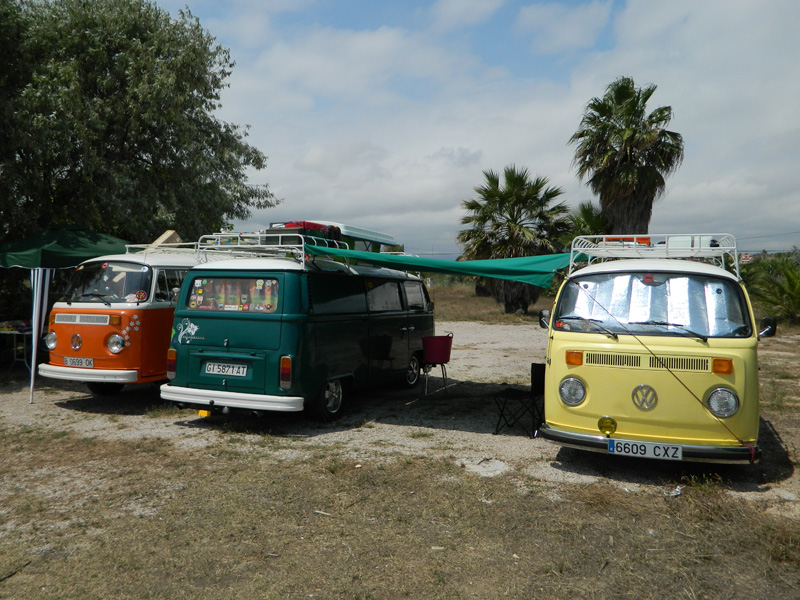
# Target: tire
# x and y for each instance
(411, 377)
(327, 406)
(104, 389)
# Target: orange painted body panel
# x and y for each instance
(146, 332)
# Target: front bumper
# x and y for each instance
(599, 443)
(88, 375)
(201, 397)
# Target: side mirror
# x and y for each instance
(769, 327)
(544, 319)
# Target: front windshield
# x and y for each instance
(107, 282)
(678, 304)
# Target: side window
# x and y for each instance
(168, 283)
(383, 296)
(162, 289)
(415, 296)
(337, 294)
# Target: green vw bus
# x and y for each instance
(276, 331)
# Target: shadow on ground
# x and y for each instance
(463, 406)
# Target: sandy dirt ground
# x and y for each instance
(458, 422)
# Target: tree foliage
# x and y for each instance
(775, 283)
(111, 105)
(626, 153)
(511, 218)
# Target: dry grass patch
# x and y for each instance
(106, 519)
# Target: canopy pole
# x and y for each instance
(40, 284)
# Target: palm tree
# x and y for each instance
(587, 219)
(626, 154)
(511, 219)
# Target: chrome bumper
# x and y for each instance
(219, 398)
(87, 374)
(599, 443)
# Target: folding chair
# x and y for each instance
(514, 405)
(436, 352)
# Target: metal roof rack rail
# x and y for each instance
(265, 244)
(717, 248)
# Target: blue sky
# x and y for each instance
(384, 115)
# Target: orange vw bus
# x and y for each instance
(113, 324)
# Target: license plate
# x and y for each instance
(645, 449)
(71, 361)
(214, 368)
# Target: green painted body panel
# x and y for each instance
(322, 322)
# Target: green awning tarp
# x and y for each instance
(535, 270)
(63, 246)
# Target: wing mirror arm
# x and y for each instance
(769, 327)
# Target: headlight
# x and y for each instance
(572, 391)
(723, 402)
(50, 340)
(116, 343)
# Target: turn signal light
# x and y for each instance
(114, 319)
(722, 366)
(172, 361)
(574, 358)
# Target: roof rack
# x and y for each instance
(717, 248)
(260, 243)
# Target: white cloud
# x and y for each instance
(557, 28)
(390, 128)
(452, 14)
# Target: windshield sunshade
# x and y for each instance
(654, 304)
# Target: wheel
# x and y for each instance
(412, 372)
(328, 404)
(104, 389)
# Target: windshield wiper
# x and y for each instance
(691, 333)
(101, 297)
(595, 322)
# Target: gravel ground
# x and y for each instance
(458, 423)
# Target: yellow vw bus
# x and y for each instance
(652, 350)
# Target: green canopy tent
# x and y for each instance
(62, 247)
(535, 270)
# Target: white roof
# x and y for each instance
(154, 259)
(655, 265)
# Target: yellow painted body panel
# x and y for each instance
(680, 415)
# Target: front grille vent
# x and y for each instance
(607, 359)
(680, 363)
(695, 364)
(82, 319)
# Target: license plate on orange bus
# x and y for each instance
(215, 368)
(645, 449)
(74, 361)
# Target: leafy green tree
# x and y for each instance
(512, 218)
(117, 105)
(626, 153)
(775, 283)
(587, 219)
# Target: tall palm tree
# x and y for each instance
(626, 154)
(509, 219)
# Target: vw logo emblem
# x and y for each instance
(644, 397)
(76, 342)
